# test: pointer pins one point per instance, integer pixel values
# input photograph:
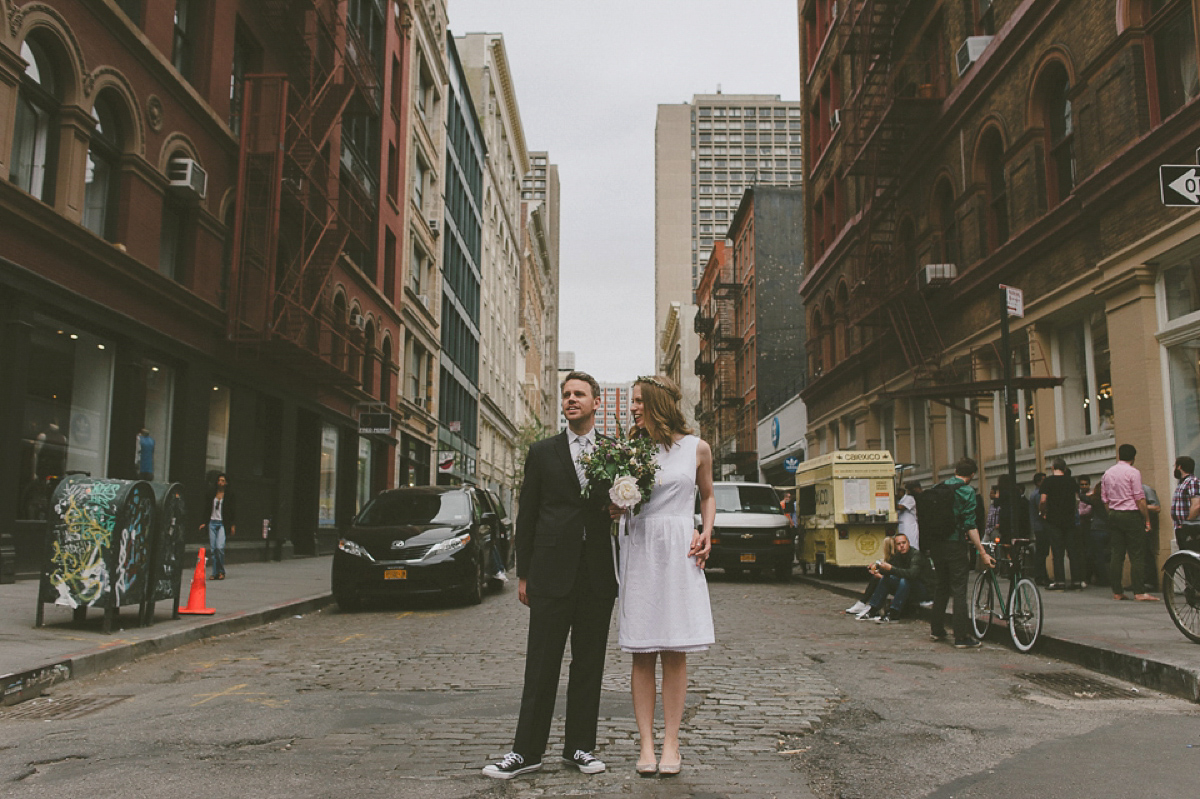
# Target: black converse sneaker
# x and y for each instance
(586, 762)
(512, 765)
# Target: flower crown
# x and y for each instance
(652, 380)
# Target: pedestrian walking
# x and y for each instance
(948, 516)
(1040, 540)
(1185, 502)
(222, 519)
(1128, 519)
(565, 576)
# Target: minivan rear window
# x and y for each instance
(402, 507)
(746, 499)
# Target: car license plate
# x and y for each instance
(747, 558)
(395, 574)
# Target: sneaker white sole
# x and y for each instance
(594, 768)
(497, 774)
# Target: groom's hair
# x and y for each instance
(585, 377)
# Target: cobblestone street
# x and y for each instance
(425, 696)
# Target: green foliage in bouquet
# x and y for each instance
(613, 459)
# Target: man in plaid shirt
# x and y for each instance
(1185, 504)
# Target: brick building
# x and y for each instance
(751, 330)
(192, 241)
(954, 147)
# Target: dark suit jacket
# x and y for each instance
(551, 522)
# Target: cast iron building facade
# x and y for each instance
(461, 239)
(954, 147)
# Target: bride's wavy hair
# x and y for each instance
(661, 415)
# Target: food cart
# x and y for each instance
(847, 506)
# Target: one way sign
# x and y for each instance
(1179, 184)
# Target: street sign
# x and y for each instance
(1179, 185)
(454, 427)
(1014, 300)
(791, 464)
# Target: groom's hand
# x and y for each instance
(521, 595)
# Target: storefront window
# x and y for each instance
(327, 494)
(67, 411)
(364, 472)
(1073, 366)
(920, 439)
(1182, 286)
(1103, 374)
(160, 386)
(218, 431)
(1185, 397)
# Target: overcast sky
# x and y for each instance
(589, 76)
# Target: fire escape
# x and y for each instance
(895, 97)
(304, 201)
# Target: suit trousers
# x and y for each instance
(585, 615)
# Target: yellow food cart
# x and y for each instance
(847, 506)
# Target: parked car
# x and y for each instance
(751, 531)
(419, 540)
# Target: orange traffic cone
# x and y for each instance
(196, 600)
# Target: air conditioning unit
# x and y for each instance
(358, 321)
(185, 175)
(937, 275)
(835, 118)
(972, 48)
(435, 226)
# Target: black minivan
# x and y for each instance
(419, 540)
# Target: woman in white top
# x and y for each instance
(664, 609)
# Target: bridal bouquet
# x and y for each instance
(627, 466)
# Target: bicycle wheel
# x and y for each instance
(1025, 614)
(1181, 593)
(983, 604)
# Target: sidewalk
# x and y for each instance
(1134, 641)
(253, 594)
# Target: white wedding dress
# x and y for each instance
(663, 600)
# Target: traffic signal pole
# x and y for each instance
(1010, 422)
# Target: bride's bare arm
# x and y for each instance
(702, 538)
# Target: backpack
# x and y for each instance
(935, 514)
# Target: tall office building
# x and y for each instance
(540, 288)
(706, 153)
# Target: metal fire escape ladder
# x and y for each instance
(295, 215)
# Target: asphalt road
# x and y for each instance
(412, 700)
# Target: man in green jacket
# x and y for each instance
(951, 561)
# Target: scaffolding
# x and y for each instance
(305, 198)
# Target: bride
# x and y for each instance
(664, 608)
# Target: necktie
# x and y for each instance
(583, 447)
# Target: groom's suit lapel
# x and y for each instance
(563, 449)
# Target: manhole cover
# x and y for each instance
(68, 708)
(1078, 686)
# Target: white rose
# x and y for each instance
(625, 492)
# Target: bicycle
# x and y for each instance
(1023, 609)
(1181, 588)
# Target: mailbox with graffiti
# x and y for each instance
(167, 549)
(99, 545)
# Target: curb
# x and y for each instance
(20, 686)
(1165, 677)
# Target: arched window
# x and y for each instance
(35, 135)
(816, 343)
(1171, 56)
(368, 359)
(101, 177)
(945, 224)
(1058, 125)
(828, 343)
(385, 371)
(175, 236)
(989, 170)
(841, 343)
(338, 323)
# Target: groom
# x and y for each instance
(566, 578)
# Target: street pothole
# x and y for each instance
(1078, 686)
(46, 708)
